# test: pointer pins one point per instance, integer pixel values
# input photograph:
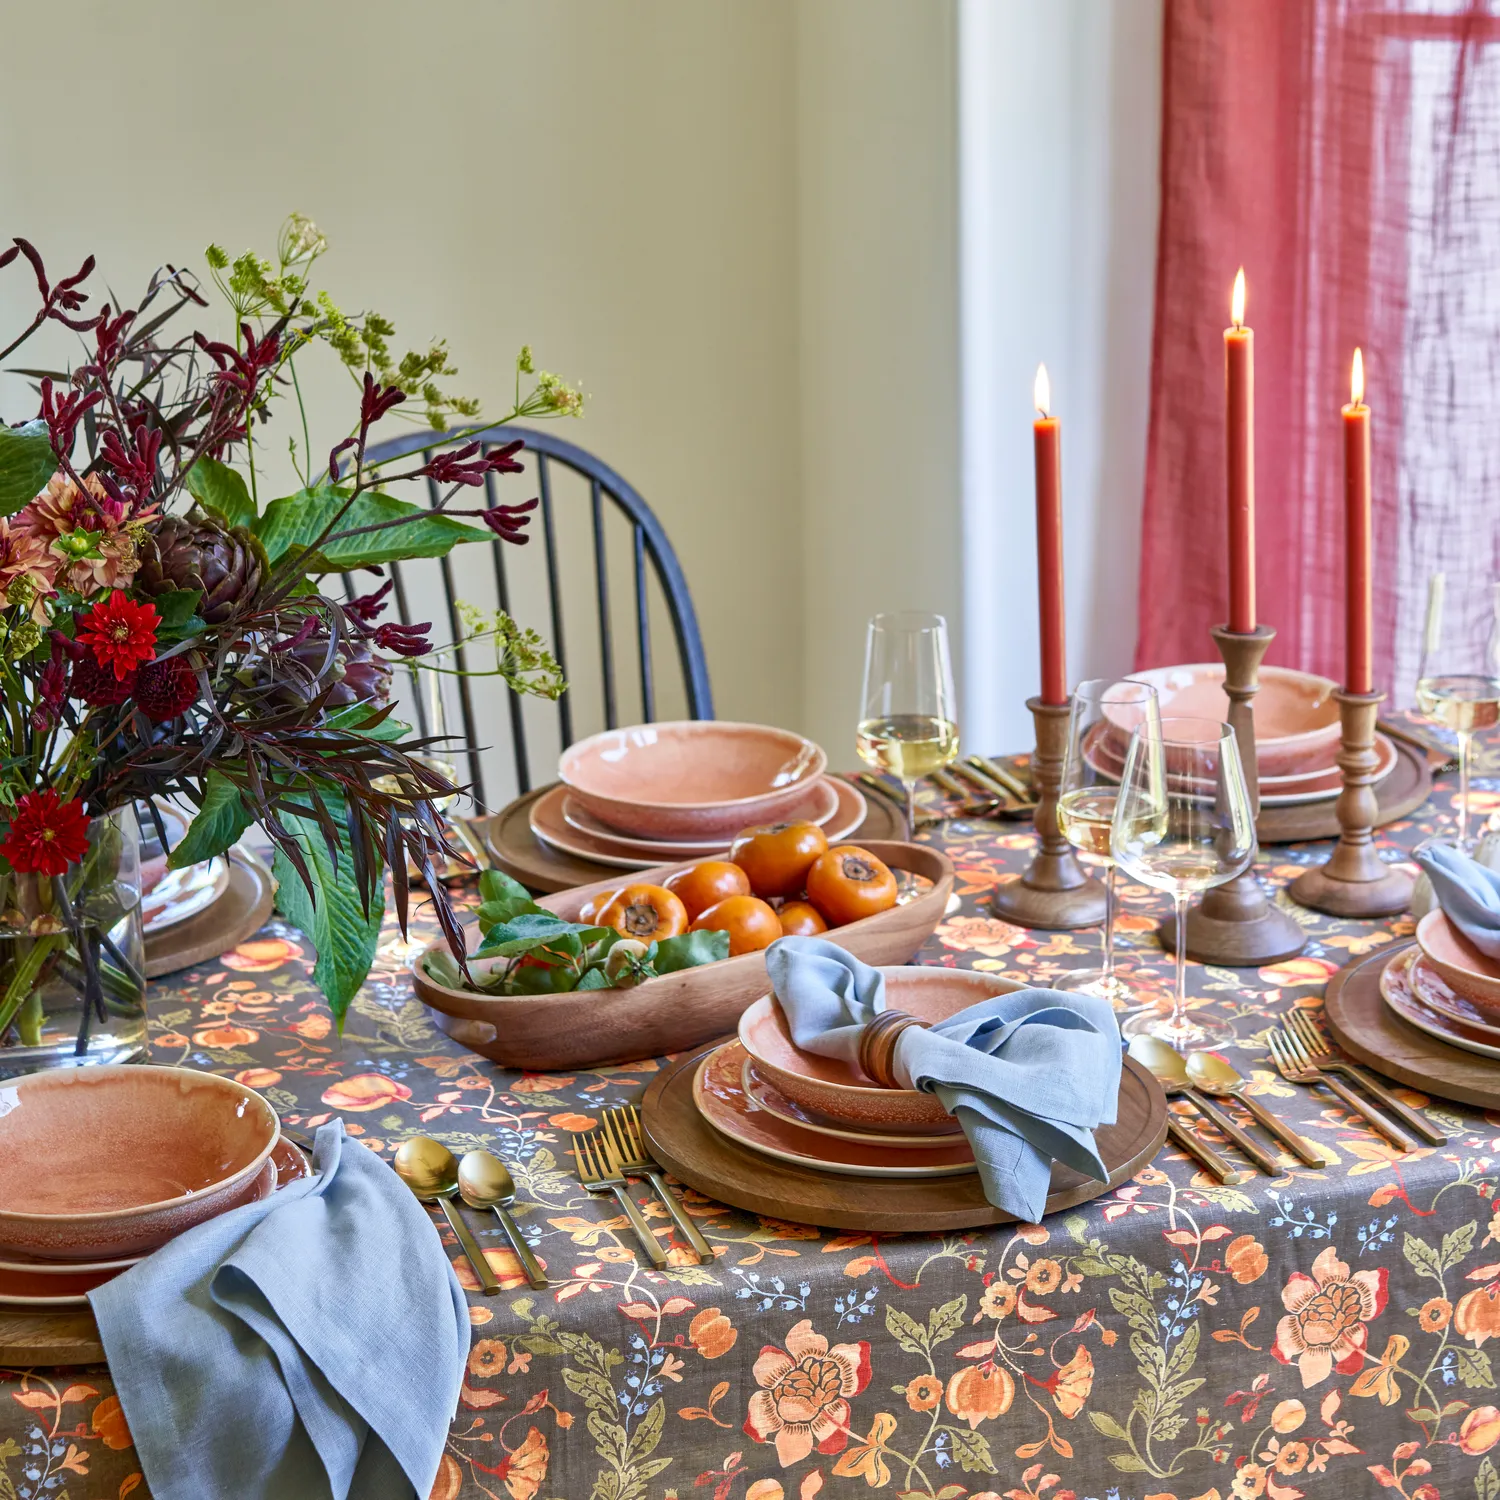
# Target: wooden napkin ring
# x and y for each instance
(877, 1045)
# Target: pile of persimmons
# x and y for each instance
(780, 880)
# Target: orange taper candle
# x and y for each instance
(1359, 674)
(1047, 433)
(1239, 423)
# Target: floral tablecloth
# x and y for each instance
(1317, 1333)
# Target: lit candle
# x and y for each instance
(1047, 431)
(1359, 676)
(1239, 419)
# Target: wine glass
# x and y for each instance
(1105, 713)
(1182, 824)
(1458, 683)
(908, 719)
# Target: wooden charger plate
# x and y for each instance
(243, 909)
(693, 1151)
(520, 854)
(596, 1028)
(1373, 1034)
(1400, 794)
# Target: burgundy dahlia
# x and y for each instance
(165, 689)
(98, 686)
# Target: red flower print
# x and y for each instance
(120, 632)
(1327, 1313)
(804, 1391)
(46, 834)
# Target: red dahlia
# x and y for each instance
(164, 689)
(120, 632)
(98, 686)
(46, 834)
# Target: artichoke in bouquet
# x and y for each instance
(226, 566)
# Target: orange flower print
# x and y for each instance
(524, 1470)
(711, 1333)
(487, 1358)
(257, 1078)
(980, 935)
(365, 1091)
(1249, 1482)
(1477, 1316)
(261, 955)
(998, 1300)
(1480, 1431)
(1245, 1259)
(1043, 1277)
(924, 1392)
(1073, 1383)
(226, 1036)
(313, 1028)
(803, 1400)
(981, 1392)
(1433, 1318)
(109, 1423)
(1326, 1316)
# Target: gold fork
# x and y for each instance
(600, 1172)
(623, 1126)
(1315, 1045)
(1293, 1065)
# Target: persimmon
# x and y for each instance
(589, 911)
(707, 883)
(749, 921)
(647, 912)
(801, 919)
(848, 883)
(777, 856)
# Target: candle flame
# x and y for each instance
(1237, 299)
(1041, 391)
(1357, 379)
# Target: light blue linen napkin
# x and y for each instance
(1029, 1075)
(1468, 893)
(312, 1344)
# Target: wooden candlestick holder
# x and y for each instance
(1234, 924)
(1355, 881)
(1055, 893)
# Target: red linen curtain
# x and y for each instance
(1347, 154)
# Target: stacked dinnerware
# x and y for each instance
(654, 794)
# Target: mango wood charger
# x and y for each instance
(1400, 794)
(693, 1151)
(243, 909)
(49, 1338)
(1373, 1034)
(518, 852)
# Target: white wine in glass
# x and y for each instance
(908, 724)
(1104, 714)
(1183, 825)
(1459, 680)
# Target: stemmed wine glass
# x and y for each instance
(1182, 824)
(1105, 713)
(908, 723)
(1458, 683)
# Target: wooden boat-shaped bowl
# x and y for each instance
(544, 1033)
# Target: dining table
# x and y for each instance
(1319, 1332)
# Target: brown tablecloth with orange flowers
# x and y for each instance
(1318, 1334)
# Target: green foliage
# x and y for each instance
(217, 826)
(176, 612)
(406, 530)
(1487, 1481)
(221, 491)
(628, 1464)
(27, 462)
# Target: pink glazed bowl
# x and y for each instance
(839, 1091)
(102, 1162)
(1464, 968)
(693, 778)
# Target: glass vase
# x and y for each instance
(72, 959)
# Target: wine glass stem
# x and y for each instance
(1464, 738)
(1109, 924)
(910, 787)
(1179, 988)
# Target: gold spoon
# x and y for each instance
(1167, 1064)
(430, 1170)
(1215, 1076)
(485, 1182)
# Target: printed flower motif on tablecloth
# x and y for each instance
(803, 1397)
(1326, 1316)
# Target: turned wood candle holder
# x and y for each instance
(1235, 924)
(1355, 881)
(1055, 893)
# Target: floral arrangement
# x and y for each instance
(165, 629)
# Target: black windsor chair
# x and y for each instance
(553, 598)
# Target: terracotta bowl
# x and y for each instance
(838, 1090)
(101, 1162)
(1465, 969)
(696, 778)
(1296, 714)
